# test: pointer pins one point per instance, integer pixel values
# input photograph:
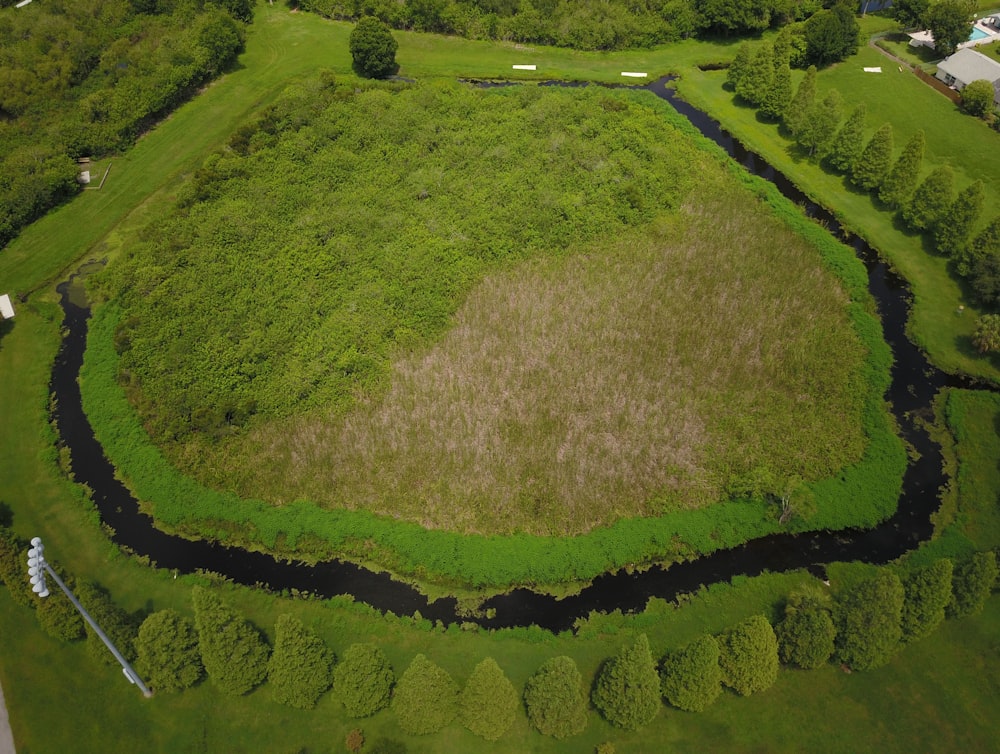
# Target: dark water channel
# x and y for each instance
(914, 385)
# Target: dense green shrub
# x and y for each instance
(118, 625)
(748, 656)
(299, 670)
(489, 701)
(58, 617)
(554, 698)
(872, 164)
(14, 567)
(627, 691)
(806, 633)
(868, 619)
(232, 650)
(426, 698)
(831, 35)
(972, 582)
(363, 680)
(977, 98)
(373, 49)
(691, 678)
(168, 654)
(927, 592)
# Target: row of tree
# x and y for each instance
(762, 78)
(862, 627)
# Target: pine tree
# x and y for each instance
(489, 701)
(820, 123)
(232, 650)
(691, 678)
(927, 592)
(753, 87)
(806, 633)
(779, 94)
(868, 619)
(167, 649)
(902, 179)
(748, 656)
(426, 698)
(849, 142)
(554, 699)
(299, 670)
(738, 68)
(627, 691)
(802, 102)
(952, 231)
(117, 624)
(971, 584)
(931, 200)
(363, 680)
(873, 164)
(783, 48)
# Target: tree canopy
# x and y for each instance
(831, 35)
(232, 650)
(972, 582)
(927, 592)
(489, 701)
(691, 678)
(868, 618)
(950, 24)
(299, 670)
(806, 633)
(627, 691)
(373, 49)
(363, 680)
(167, 649)
(748, 656)
(426, 697)
(554, 698)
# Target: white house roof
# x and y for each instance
(968, 66)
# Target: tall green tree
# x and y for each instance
(738, 68)
(363, 680)
(931, 200)
(820, 123)
(373, 49)
(426, 697)
(806, 633)
(909, 13)
(779, 94)
(984, 245)
(927, 592)
(873, 164)
(802, 102)
(167, 652)
(971, 584)
(977, 98)
(755, 85)
(783, 48)
(232, 650)
(901, 181)
(117, 624)
(627, 691)
(950, 23)
(831, 35)
(868, 619)
(691, 678)
(951, 232)
(554, 699)
(849, 143)
(748, 656)
(58, 617)
(489, 701)
(299, 670)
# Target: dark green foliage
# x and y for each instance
(425, 699)
(872, 165)
(847, 145)
(980, 263)
(232, 650)
(735, 16)
(117, 624)
(782, 46)
(950, 24)
(363, 680)
(756, 83)
(627, 691)
(168, 655)
(868, 621)
(902, 179)
(802, 103)
(927, 592)
(299, 670)
(554, 699)
(14, 567)
(373, 49)
(972, 582)
(909, 13)
(806, 633)
(820, 123)
(987, 336)
(739, 67)
(831, 35)
(977, 98)
(691, 678)
(489, 701)
(57, 615)
(748, 656)
(931, 200)
(779, 94)
(952, 231)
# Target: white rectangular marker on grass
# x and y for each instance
(22, 3)
(6, 309)
(876, 69)
(523, 67)
(634, 74)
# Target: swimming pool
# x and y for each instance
(977, 33)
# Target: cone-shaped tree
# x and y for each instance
(554, 699)
(951, 232)
(748, 656)
(426, 698)
(872, 166)
(299, 670)
(753, 87)
(627, 691)
(779, 94)
(931, 200)
(117, 624)
(899, 185)
(803, 101)
(691, 678)
(868, 620)
(820, 123)
(167, 649)
(232, 650)
(988, 241)
(783, 48)
(971, 584)
(363, 680)
(738, 68)
(927, 592)
(847, 145)
(489, 701)
(806, 633)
